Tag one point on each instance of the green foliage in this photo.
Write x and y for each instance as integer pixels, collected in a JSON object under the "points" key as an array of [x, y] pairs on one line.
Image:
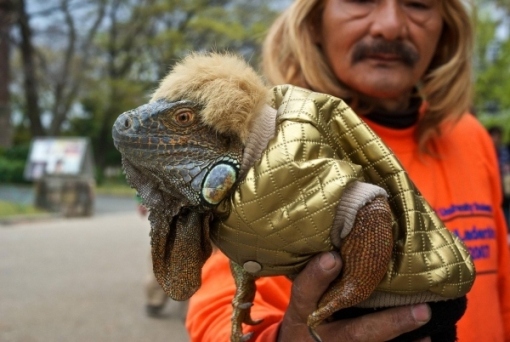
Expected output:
{"points": [[12, 164], [492, 62], [17, 152], [501, 119], [101, 108], [22, 135], [11, 171], [136, 59]]}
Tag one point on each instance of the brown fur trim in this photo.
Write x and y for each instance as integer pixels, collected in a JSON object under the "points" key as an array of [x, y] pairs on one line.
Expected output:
{"points": [[229, 89]]}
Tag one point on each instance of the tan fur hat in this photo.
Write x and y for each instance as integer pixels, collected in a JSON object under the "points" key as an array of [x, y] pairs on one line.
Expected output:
{"points": [[213, 80]]}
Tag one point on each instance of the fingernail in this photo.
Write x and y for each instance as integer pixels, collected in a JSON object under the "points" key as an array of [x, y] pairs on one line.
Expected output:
{"points": [[327, 261], [421, 313]]}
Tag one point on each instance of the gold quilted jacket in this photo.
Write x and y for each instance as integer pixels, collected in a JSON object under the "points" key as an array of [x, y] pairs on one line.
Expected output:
{"points": [[300, 191]]}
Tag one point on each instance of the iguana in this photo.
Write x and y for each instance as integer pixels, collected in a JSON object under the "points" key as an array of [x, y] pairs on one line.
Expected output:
{"points": [[273, 176]]}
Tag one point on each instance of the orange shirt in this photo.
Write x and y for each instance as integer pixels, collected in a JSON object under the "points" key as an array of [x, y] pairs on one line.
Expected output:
{"points": [[462, 186]]}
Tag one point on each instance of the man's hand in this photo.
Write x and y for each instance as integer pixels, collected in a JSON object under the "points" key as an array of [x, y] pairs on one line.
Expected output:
{"points": [[308, 288]]}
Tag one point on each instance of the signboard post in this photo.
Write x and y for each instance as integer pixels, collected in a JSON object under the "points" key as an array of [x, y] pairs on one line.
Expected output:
{"points": [[63, 172]]}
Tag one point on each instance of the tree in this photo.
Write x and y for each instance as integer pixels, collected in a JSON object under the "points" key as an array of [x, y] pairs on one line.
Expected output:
{"points": [[80, 63], [52, 67], [6, 17], [30, 80], [492, 61], [142, 42]]}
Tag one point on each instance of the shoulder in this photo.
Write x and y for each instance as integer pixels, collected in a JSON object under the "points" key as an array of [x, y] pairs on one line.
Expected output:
{"points": [[466, 141], [468, 123], [468, 131]]}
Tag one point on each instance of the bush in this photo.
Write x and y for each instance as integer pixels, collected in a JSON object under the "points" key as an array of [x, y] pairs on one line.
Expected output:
{"points": [[12, 164], [19, 152], [11, 171]]}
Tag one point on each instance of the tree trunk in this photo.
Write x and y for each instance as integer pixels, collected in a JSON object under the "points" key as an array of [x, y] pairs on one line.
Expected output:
{"points": [[33, 110], [6, 10]]}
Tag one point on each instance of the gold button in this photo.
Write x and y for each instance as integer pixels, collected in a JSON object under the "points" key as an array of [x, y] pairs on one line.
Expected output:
{"points": [[252, 267]]}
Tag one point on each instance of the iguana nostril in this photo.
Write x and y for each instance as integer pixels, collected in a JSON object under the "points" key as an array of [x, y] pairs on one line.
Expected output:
{"points": [[127, 123]]}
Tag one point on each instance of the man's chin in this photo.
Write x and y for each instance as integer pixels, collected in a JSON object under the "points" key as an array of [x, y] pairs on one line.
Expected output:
{"points": [[381, 86], [385, 95]]}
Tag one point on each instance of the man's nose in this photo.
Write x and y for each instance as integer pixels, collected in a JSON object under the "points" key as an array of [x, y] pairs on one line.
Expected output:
{"points": [[389, 20]]}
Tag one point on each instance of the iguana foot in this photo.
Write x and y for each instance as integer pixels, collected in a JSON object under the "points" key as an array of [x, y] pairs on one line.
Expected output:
{"points": [[244, 309], [242, 315], [242, 303], [241, 337], [366, 253]]}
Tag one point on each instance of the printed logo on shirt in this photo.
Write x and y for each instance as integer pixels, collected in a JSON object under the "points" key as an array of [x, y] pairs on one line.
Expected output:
{"points": [[479, 237], [474, 224], [466, 209]]}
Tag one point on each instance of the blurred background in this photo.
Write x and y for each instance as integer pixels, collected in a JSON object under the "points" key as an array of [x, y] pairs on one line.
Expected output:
{"points": [[74, 248]]}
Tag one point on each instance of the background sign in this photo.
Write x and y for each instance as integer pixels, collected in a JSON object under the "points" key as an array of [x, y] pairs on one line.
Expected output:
{"points": [[58, 156]]}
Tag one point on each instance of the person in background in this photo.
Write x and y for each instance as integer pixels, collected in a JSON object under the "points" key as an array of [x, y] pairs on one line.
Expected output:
{"points": [[503, 154], [405, 68]]}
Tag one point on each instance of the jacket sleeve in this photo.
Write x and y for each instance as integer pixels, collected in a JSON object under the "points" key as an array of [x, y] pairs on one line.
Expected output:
{"points": [[210, 308]]}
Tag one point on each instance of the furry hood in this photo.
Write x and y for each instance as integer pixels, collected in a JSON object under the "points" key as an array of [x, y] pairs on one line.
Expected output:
{"points": [[230, 91]]}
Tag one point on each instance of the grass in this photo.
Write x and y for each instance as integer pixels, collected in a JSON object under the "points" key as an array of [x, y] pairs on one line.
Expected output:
{"points": [[9, 209], [115, 189]]}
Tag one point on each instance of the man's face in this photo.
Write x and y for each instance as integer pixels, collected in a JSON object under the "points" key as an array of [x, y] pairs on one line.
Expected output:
{"points": [[380, 48]]}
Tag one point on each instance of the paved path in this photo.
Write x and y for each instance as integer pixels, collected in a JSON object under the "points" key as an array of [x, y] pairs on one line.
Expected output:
{"points": [[79, 280]]}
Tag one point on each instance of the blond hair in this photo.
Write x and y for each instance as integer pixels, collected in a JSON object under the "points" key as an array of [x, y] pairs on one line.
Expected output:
{"points": [[205, 78], [290, 55]]}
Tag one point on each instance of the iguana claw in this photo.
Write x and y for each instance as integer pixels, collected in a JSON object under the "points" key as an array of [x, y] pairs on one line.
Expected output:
{"points": [[242, 303], [246, 337], [240, 315], [244, 306]]}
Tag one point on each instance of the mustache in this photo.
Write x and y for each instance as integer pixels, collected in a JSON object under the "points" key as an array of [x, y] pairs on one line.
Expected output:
{"points": [[364, 50]]}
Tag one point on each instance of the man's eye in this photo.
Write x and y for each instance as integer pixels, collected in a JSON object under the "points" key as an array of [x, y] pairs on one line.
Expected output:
{"points": [[420, 5], [361, 1], [358, 8]]}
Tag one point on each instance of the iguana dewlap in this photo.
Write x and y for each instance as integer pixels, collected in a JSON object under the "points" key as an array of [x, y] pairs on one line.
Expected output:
{"points": [[273, 178]]}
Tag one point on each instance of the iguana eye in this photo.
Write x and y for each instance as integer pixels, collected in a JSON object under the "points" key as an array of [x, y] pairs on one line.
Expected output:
{"points": [[184, 117]]}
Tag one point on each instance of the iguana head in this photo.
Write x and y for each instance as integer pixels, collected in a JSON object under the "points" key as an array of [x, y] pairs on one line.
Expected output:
{"points": [[167, 151], [182, 153]]}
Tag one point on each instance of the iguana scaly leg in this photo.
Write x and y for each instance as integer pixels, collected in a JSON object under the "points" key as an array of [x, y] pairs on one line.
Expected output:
{"points": [[365, 254], [242, 302]]}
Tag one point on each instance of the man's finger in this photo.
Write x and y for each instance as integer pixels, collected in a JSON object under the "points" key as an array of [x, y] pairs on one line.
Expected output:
{"points": [[381, 326], [312, 282]]}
